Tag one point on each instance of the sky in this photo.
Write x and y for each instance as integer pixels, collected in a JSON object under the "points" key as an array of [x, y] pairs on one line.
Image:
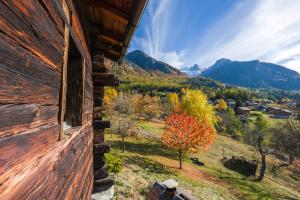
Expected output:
{"points": [[188, 32]]}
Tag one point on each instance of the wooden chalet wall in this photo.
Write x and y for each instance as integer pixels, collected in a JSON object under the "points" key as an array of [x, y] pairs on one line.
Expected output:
{"points": [[34, 163]]}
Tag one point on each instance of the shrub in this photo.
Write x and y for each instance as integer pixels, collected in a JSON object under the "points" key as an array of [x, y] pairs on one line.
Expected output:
{"points": [[113, 163]]}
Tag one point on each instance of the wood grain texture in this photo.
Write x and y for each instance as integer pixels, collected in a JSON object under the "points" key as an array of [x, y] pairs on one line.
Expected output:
{"points": [[27, 23], [17, 89], [16, 119], [50, 7], [18, 59], [34, 164], [51, 175], [15, 151], [63, 90]]}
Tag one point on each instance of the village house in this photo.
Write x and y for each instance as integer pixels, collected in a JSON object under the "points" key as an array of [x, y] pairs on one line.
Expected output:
{"points": [[244, 111], [53, 73], [266, 102], [231, 103], [279, 112]]}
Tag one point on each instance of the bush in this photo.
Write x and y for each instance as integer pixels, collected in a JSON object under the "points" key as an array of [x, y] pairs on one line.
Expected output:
{"points": [[113, 163]]}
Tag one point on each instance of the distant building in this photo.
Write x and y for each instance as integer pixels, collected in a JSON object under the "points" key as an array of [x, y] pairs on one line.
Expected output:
{"points": [[267, 102], [279, 113], [231, 103], [261, 108], [245, 111]]}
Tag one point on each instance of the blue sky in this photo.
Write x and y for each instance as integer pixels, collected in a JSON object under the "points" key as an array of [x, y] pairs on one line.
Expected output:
{"points": [[187, 32]]}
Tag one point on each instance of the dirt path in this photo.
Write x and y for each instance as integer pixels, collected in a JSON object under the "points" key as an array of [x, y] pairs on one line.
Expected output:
{"points": [[191, 172]]}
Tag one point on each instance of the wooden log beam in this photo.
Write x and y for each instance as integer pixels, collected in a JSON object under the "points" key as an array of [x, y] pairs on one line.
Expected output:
{"points": [[17, 89], [103, 184], [110, 36], [100, 173], [99, 69], [113, 11], [107, 54], [107, 47], [113, 81], [16, 119], [97, 102], [101, 148], [99, 124], [99, 160], [104, 76]]}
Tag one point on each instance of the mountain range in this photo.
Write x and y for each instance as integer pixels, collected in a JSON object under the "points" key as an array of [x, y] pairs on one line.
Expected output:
{"points": [[254, 74], [194, 70], [150, 64]]}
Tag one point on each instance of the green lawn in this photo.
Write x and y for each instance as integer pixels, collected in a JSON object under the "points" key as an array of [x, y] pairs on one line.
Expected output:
{"points": [[154, 127], [146, 161]]}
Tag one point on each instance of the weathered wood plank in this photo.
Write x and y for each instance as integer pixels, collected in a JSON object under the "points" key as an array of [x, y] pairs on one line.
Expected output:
{"points": [[50, 7], [19, 118], [17, 59], [80, 177], [76, 30], [48, 168], [101, 148], [99, 124], [17, 89], [30, 26], [64, 80], [106, 82], [83, 106], [67, 167], [18, 150], [103, 184]]}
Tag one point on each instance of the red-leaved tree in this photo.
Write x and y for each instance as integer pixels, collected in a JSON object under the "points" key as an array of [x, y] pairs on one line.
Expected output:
{"points": [[185, 133]]}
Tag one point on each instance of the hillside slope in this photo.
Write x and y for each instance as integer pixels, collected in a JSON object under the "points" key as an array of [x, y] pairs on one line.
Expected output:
{"points": [[254, 74], [150, 64]]}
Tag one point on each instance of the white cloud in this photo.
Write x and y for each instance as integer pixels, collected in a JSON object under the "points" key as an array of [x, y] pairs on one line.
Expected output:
{"points": [[268, 30], [172, 58], [157, 31]]}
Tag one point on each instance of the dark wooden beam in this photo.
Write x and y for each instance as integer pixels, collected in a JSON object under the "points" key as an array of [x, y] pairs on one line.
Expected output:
{"points": [[107, 82], [116, 13], [103, 184], [106, 46], [98, 31], [99, 124], [98, 102], [103, 76], [101, 148], [107, 54]]}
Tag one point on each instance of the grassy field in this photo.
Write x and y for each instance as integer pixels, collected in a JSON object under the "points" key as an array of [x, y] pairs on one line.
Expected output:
{"points": [[146, 161]]}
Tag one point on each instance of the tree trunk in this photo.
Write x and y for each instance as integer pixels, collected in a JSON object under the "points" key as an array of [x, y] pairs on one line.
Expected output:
{"points": [[180, 159], [263, 160], [291, 159], [263, 168], [123, 143]]}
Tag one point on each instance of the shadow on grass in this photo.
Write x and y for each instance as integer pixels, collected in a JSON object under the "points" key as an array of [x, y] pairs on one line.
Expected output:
{"points": [[148, 165], [250, 187], [145, 149]]}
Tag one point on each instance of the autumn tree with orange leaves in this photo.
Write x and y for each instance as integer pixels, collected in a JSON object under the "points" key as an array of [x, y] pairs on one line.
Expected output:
{"points": [[185, 133]]}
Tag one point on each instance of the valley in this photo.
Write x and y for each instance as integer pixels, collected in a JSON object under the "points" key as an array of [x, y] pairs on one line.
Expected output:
{"points": [[147, 96]]}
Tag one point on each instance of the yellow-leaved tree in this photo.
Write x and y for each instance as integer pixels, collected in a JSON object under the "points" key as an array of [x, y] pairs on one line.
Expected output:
{"points": [[221, 105], [195, 102], [173, 101], [109, 95]]}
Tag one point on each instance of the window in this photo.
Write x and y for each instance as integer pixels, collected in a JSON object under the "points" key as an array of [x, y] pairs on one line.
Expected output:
{"points": [[71, 89]]}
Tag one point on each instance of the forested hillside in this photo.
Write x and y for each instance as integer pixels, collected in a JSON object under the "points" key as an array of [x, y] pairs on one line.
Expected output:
{"points": [[254, 74]]}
